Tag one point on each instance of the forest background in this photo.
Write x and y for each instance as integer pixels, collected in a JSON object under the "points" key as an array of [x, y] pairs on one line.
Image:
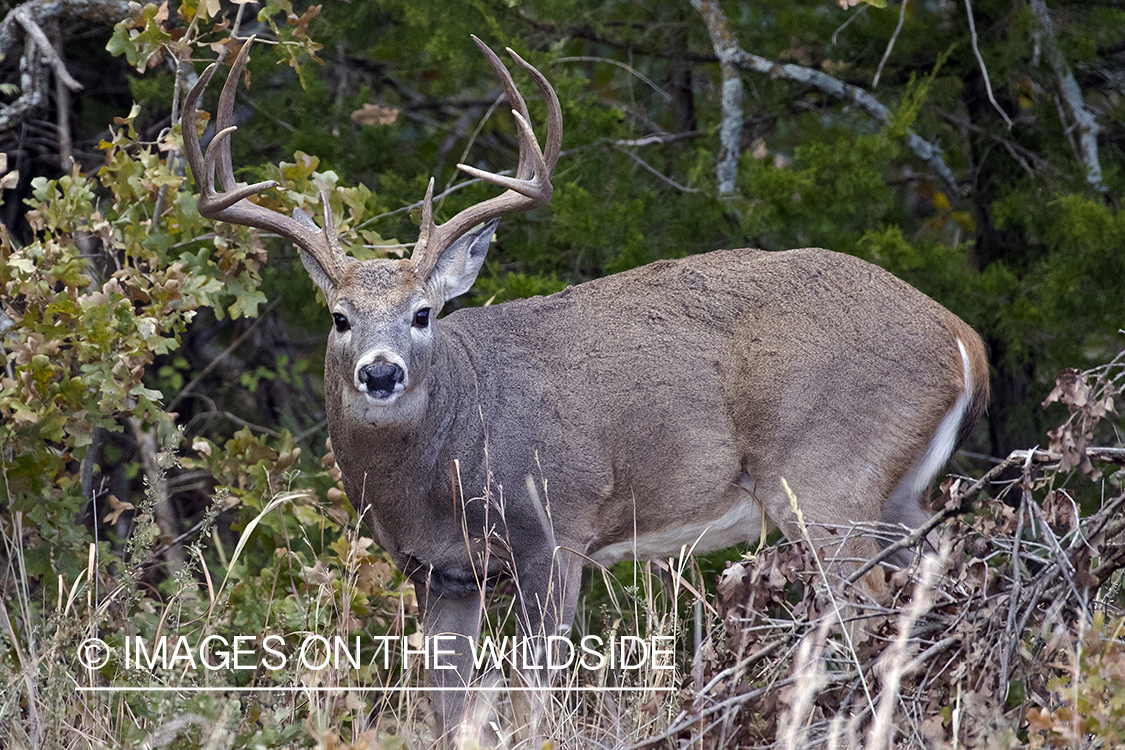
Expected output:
{"points": [[162, 392]]}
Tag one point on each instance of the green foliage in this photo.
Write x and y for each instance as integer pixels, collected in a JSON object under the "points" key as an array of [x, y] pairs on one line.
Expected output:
{"points": [[1089, 704], [829, 196], [141, 40], [293, 34], [80, 345]]}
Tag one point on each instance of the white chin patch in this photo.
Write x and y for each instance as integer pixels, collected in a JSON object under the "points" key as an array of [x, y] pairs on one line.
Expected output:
{"points": [[383, 400]]}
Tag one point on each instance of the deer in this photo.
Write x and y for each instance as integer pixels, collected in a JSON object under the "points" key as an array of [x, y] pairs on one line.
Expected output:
{"points": [[624, 417]]}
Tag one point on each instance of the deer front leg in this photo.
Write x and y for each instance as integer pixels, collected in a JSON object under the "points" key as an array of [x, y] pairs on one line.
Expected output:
{"points": [[548, 585], [451, 624]]}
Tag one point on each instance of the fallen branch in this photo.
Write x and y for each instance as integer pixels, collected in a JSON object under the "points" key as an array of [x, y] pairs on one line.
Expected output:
{"points": [[961, 505], [963, 632], [961, 502]]}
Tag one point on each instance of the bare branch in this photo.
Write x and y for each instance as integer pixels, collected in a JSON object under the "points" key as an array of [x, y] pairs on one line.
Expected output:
{"points": [[855, 14], [730, 133], [923, 149], [890, 44], [928, 152], [1068, 87], [980, 61], [1026, 158], [648, 140]]}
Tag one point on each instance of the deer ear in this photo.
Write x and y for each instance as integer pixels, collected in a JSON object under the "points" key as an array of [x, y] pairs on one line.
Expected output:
{"points": [[316, 272], [311, 264], [459, 265]]}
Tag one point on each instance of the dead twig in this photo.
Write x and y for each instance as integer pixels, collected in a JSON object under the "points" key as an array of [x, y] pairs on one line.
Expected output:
{"points": [[890, 44], [983, 68], [663, 178]]}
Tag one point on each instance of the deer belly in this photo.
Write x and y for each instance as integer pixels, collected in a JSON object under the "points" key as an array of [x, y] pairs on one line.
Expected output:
{"points": [[742, 520]]}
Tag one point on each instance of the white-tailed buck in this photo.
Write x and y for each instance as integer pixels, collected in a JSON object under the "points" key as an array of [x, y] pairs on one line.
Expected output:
{"points": [[624, 417]]}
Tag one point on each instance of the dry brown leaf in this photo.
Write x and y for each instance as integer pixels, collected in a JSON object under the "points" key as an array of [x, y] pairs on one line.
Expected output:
{"points": [[375, 114], [118, 507]]}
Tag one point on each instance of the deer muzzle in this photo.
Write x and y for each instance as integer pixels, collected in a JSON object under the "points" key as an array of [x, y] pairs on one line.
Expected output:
{"points": [[381, 379]]}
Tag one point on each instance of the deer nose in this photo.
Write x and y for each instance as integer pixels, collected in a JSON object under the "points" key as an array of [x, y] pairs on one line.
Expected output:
{"points": [[380, 378]]}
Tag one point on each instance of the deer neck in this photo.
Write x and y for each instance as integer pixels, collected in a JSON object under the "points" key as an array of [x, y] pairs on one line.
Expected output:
{"points": [[407, 462]]}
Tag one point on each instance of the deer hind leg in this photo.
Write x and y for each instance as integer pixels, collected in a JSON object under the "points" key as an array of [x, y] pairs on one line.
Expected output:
{"points": [[833, 514], [905, 508]]}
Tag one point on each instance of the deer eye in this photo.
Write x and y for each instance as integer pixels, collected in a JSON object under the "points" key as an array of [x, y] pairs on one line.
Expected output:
{"points": [[422, 318], [341, 322]]}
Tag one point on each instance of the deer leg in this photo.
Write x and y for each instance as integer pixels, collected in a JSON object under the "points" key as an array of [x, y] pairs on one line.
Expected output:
{"points": [[839, 546], [451, 625], [549, 598]]}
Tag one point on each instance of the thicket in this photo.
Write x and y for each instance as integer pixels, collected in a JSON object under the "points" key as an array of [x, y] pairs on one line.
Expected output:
{"points": [[163, 466]]}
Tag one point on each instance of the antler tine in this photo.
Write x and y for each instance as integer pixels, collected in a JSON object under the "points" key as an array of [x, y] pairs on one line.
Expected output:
{"points": [[428, 227], [204, 167], [190, 131], [529, 152], [232, 205], [530, 187], [515, 99], [226, 117], [553, 144]]}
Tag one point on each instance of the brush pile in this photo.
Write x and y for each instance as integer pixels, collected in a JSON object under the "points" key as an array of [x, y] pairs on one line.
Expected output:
{"points": [[1008, 635]]}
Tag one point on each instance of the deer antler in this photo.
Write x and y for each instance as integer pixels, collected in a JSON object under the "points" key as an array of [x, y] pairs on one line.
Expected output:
{"points": [[530, 187], [232, 204]]}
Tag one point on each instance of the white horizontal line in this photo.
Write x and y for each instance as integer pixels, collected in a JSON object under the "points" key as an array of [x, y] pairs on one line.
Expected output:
{"points": [[293, 689]]}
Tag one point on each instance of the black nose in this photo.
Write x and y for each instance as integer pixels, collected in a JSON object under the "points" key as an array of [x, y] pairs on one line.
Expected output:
{"points": [[381, 378]]}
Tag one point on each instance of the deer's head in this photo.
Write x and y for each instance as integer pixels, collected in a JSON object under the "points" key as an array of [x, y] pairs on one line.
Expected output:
{"points": [[383, 311]]}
